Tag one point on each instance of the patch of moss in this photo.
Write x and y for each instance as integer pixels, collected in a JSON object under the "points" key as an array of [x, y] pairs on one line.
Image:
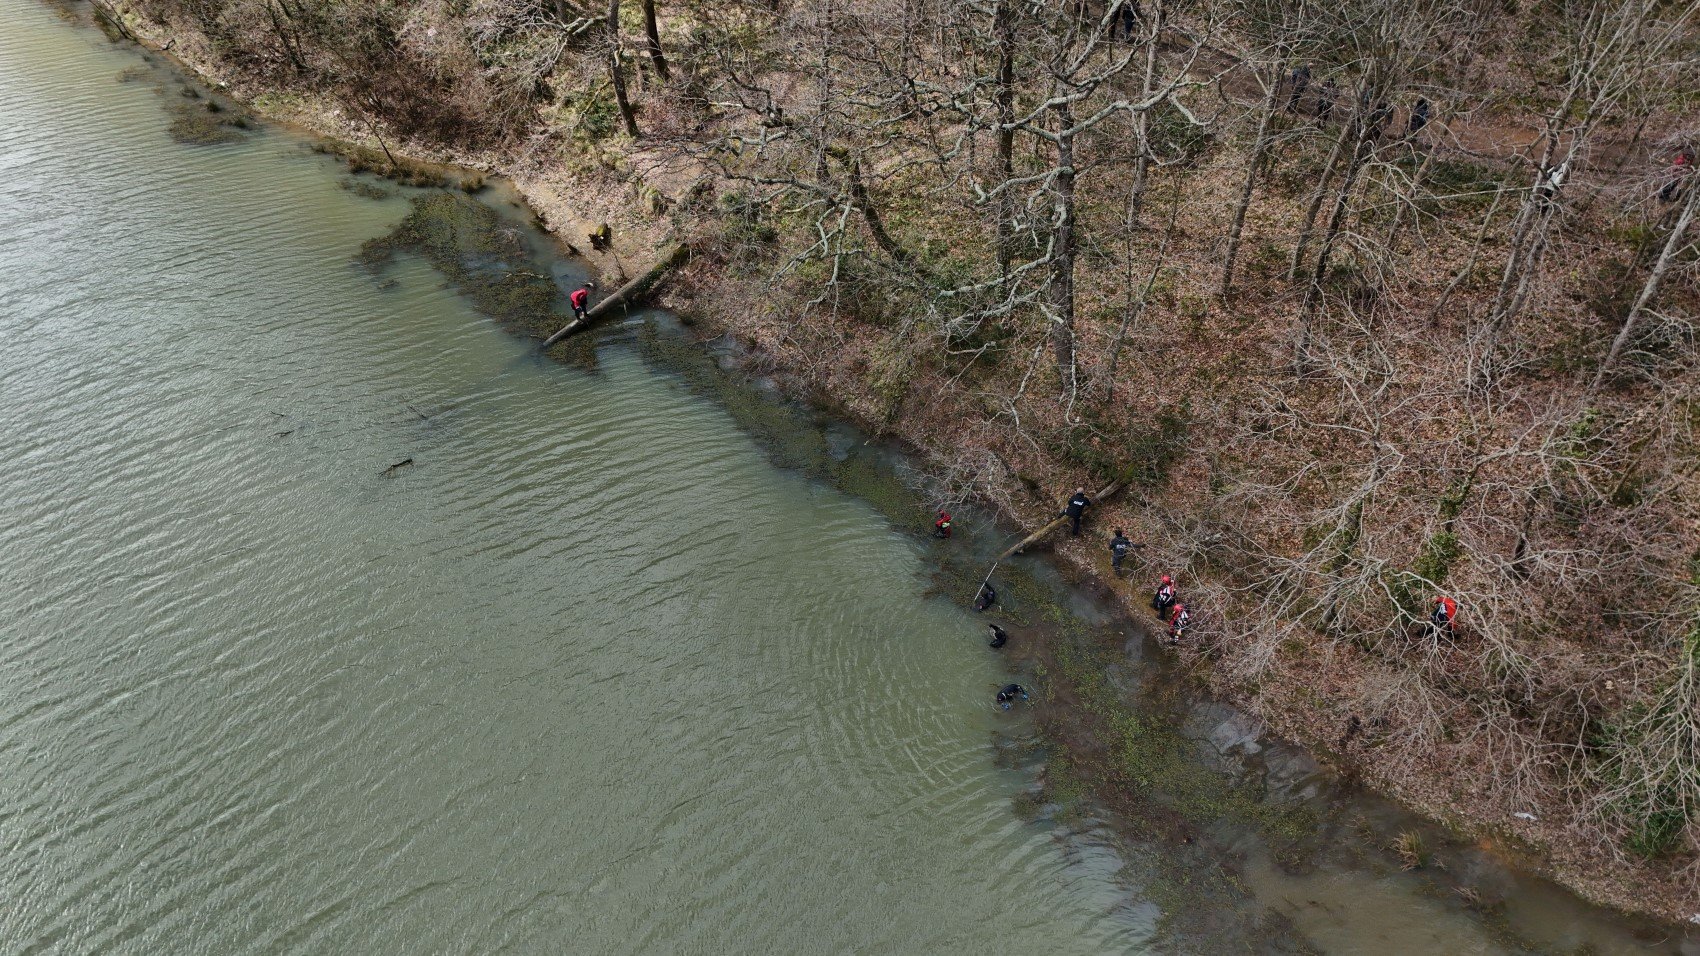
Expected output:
{"points": [[483, 257], [1153, 764], [198, 122], [1460, 186], [361, 187], [400, 169]]}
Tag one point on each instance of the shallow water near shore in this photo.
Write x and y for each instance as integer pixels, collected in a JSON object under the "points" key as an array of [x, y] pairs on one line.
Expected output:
{"points": [[619, 663]]}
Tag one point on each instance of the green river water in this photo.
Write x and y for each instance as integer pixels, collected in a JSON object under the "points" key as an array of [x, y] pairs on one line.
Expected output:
{"points": [[596, 673]]}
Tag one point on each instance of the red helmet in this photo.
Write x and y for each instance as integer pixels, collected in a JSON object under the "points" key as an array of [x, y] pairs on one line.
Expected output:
{"points": [[1168, 580], [1179, 607]]}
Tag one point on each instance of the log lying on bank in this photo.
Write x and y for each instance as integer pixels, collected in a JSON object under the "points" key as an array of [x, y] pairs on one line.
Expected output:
{"points": [[624, 295], [1109, 491]]}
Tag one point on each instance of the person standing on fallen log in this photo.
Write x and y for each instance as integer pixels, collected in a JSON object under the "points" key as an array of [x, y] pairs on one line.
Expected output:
{"points": [[580, 301], [1076, 507]]}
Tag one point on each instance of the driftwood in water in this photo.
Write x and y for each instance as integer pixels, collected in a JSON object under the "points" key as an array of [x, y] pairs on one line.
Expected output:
{"points": [[624, 295], [1109, 491], [391, 470]]}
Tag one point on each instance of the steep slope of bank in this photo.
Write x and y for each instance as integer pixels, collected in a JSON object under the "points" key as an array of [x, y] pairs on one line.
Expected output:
{"points": [[1454, 360]]}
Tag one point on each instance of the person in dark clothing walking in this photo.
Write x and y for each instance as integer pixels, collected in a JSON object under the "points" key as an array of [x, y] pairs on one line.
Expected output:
{"points": [[1325, 98], [1125, 18], [1378, 118], [1419, 117], [1076, 508], [1000, 637], [1010, 693], [987, 597], [1298, 81], [580, 301], [1119, 547]]}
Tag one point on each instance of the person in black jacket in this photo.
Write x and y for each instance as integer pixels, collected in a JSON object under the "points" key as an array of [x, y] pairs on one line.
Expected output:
{"points": [[1325, 98], [1010, 693], [1419, 117], [1000, 637], [1119, 547], [1125, 17], [1297, 82], [1076, 508]]}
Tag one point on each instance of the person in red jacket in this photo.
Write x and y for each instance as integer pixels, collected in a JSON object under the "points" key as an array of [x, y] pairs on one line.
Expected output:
{"points": [[1164, 600], [1178, 623], [1680, 168], [580, 300], [941, 527], [1444, 613]]}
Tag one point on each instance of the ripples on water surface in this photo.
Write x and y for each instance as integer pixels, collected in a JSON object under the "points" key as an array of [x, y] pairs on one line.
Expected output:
{"points": [[592, 675]]}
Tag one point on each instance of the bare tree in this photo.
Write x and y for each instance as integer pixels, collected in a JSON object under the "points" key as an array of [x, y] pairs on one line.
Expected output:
{"points": [[652, 35], [1675, 243], [617, 71]]}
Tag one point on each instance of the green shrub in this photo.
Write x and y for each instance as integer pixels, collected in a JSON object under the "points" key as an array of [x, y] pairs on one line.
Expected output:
{"points": [[1658, 834], [1150, 451], [1175, 138]]}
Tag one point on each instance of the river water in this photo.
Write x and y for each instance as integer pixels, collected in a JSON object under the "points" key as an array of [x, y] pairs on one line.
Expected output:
{"points": [[592, 674]]}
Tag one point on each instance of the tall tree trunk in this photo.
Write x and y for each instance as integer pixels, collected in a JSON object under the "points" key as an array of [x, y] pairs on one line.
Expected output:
{"points": [[1142, 119], [1347, 130], [1399, 213], [286, 36], [1062, 257], [1528, 232], [652, 35], [1469, 264], [1136, 308], [1003, 24], [1336, 221], [1650, 290], [1258, 151], [871, 215], [616, 72]]}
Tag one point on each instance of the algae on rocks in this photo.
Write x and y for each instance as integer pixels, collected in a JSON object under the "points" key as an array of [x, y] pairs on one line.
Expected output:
{"points": [[485, 258], [207, 122]]}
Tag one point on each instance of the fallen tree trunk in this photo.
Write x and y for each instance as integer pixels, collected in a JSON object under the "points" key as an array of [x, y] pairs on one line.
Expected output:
{"points": [[1109, 491], [624, 295]]}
